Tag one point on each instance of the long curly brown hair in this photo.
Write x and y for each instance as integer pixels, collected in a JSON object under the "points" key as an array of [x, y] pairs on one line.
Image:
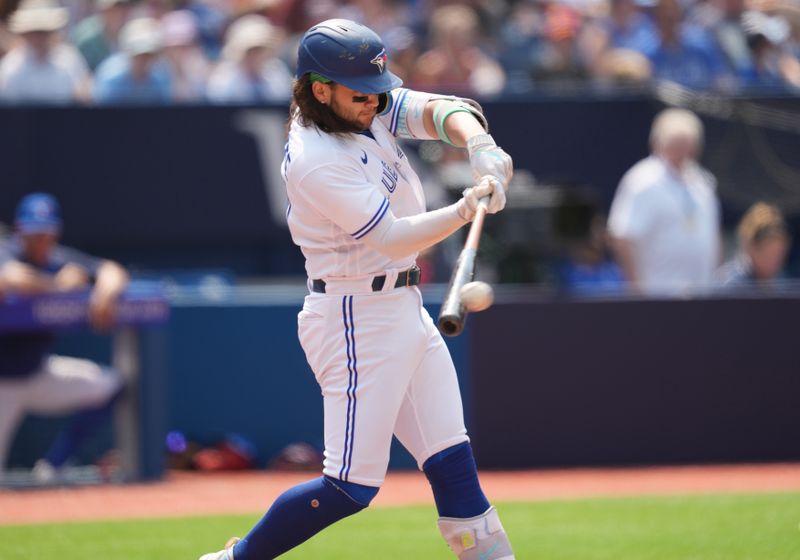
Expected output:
{"points": [[309, 111]]}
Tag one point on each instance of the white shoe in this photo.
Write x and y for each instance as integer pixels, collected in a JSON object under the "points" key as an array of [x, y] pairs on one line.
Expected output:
{"points": [[43, 472], [226, 554]]}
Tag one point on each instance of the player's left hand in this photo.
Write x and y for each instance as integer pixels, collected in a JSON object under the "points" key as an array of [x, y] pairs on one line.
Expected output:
{"points": [[487, 158], [71, 277]]}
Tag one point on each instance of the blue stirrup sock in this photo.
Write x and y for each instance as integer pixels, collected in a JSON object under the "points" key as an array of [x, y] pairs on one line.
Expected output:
{"points": [[453, 476], [300, 513], [79, 428]]}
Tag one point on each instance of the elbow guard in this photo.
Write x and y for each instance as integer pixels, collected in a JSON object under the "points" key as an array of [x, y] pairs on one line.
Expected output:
{"points": [[403, 110], [452, 105]]}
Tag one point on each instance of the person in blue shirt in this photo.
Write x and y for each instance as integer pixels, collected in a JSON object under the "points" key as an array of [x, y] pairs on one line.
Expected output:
{"points": [[32, 380], [627, 27], [684, 55], [135, 75]]}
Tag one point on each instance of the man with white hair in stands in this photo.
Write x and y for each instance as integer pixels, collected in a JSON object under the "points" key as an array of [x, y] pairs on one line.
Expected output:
{"points": [[250, 71], [665, 218], [42, 68], [135, 75]]}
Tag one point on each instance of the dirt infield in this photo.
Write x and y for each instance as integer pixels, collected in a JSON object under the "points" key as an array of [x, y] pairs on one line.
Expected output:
{"points": [[184, 494]]}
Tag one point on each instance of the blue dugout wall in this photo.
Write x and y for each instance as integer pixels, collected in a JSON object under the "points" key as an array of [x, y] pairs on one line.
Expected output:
{"points": [[546, 382]]}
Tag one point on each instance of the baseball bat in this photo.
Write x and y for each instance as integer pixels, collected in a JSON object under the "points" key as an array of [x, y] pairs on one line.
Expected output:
{"points": [[453, 314]]}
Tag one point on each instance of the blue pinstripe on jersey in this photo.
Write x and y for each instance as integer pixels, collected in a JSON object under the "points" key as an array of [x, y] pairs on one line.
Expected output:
{"points": [[352, 386], [374, 221], [398, 109], [355, 387]]}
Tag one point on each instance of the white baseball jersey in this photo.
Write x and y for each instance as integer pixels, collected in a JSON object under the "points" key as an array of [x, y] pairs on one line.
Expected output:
{"points": [[673, 223], [381, 364], [340, 187]]}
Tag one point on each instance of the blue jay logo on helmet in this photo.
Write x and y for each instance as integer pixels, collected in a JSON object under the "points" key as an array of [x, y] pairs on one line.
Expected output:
{"points": [[347, 53], [380, 60]]}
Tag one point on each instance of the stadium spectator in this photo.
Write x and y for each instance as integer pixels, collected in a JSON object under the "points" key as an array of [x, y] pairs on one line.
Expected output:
{"points": [[189, 67], [520, 38], [684, 55], [627, 27], [97, 36], [250, 71], [382, 16], [763, 246], [765, 35], [589, 267], [622, 68], [723, 18], [31, 378], [42, 68], [665, 216], [456, 63], [559, 58], [135, 75]]}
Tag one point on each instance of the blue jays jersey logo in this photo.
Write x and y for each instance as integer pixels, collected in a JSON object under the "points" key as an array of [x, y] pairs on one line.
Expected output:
{"points": [[380, 60], [389, 178]]}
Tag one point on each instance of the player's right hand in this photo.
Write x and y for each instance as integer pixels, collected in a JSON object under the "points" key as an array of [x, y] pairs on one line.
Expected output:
{"points": [[487, 186]]}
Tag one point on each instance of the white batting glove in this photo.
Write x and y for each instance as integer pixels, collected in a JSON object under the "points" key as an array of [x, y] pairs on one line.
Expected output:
{"points": [[487, 158], [487, 186]]}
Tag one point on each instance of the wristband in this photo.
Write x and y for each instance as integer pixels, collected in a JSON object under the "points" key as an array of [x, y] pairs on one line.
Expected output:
{"points": [[480, 141]]}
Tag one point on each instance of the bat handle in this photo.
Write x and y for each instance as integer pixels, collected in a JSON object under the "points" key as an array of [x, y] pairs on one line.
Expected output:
{"points": [[453, 314], [474, 235]]}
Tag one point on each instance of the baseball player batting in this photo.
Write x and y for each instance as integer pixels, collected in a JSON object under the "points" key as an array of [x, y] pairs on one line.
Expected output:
{"points": [[357, 211]]}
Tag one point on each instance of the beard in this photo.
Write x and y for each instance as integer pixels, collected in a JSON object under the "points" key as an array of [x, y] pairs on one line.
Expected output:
{"points": [[354, 124]]}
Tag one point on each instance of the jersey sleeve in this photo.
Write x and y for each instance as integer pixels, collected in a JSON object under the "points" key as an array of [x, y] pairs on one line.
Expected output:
{"points": [[403, 114], [345, 197]]}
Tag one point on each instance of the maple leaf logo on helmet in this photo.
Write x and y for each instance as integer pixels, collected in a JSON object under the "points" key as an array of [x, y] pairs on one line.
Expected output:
{"points": [[380, 60]]}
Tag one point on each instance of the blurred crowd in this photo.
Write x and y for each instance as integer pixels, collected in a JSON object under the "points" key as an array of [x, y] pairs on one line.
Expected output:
{"points": [[242, 51]]}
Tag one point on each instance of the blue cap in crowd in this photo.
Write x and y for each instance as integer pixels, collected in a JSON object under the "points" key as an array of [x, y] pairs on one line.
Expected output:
{"points": [[38, 213]]}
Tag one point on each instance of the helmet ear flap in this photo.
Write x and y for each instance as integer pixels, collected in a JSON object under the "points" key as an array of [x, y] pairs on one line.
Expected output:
{"points": [[383, 102]]}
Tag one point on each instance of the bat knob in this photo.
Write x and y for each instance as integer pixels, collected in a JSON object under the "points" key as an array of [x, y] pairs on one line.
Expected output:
{"points": [[450, 326]]}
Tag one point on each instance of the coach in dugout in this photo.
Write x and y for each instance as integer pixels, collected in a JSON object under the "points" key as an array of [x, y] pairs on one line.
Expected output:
{"points": [[31, 379], [665, 217]]}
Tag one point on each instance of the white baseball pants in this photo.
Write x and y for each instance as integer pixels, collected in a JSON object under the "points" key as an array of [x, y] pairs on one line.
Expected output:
{"points": [[383, 369], [61, 386]]}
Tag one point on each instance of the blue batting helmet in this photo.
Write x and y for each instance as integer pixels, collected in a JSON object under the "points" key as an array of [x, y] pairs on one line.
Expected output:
{"points": [[38, 213], [347, 53]]}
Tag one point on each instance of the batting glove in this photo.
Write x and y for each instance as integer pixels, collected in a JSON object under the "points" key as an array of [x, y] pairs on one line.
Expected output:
{"points": [[487, 186], [486, 158]]}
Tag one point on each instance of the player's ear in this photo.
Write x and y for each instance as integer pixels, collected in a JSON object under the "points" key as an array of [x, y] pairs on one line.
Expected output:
{"points": [[322, 92]]}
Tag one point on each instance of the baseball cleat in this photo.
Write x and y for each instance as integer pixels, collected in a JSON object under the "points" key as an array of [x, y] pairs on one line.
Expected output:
{"points": [[477, 538], [225, 554]]}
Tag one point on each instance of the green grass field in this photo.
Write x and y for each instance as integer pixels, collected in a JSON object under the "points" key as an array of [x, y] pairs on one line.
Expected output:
{"points": [[758, 527]]}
